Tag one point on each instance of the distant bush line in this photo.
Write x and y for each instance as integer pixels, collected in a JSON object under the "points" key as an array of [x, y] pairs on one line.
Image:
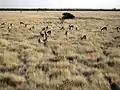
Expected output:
{"points": [[46, 9]]}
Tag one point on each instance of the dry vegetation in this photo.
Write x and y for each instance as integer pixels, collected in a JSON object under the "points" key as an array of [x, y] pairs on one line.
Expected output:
{"points": [[77, 54]]}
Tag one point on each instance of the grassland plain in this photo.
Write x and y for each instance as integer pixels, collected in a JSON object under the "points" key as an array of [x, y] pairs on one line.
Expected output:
{"points": [[65, 61]]}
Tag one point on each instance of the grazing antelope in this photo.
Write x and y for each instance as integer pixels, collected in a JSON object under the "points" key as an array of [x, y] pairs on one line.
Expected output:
{"points": [[40, 41], [46, 27], [11, 24], [117, 29], [9, 28], [33, 27], [45, 41], [62, 28], [45, 34], [84, 37], [48, 33], [3, 23], [30, 28], [43, 29], [76, 28], [26, 25], [42, 34], [103, 28], [66, 33], [21, 22], [71, 26]]}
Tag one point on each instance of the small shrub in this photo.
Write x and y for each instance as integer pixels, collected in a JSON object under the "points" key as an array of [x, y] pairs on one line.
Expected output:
{"points": [[68, 16]]}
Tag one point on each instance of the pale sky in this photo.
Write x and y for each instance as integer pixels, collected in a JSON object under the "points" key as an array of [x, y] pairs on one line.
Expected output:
{"points": [[60, 4]]}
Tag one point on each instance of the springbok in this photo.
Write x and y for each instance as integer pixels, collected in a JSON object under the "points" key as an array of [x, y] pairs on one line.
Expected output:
{"points": [[71, 26], [66, 33], [84, 37], [103, 28]]}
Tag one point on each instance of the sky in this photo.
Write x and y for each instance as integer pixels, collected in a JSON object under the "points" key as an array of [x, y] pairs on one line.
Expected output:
{"points": [[93, 4]]}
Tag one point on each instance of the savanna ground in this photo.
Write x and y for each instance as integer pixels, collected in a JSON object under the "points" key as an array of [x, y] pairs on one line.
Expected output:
{"points": [[65, 62]]}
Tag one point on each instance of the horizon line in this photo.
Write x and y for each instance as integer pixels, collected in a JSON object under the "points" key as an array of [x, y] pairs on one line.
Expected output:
{"points": [[54, 8]]}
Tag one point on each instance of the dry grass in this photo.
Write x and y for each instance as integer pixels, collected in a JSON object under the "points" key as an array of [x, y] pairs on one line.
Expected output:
{"points": [[63, 62]]}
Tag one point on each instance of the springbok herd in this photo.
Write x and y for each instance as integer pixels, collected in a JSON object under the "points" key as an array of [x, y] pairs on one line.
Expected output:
{"points": [[38, 51]]}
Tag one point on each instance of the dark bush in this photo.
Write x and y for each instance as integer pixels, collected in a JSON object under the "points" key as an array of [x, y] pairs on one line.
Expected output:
{"points": [[68, 16]]}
